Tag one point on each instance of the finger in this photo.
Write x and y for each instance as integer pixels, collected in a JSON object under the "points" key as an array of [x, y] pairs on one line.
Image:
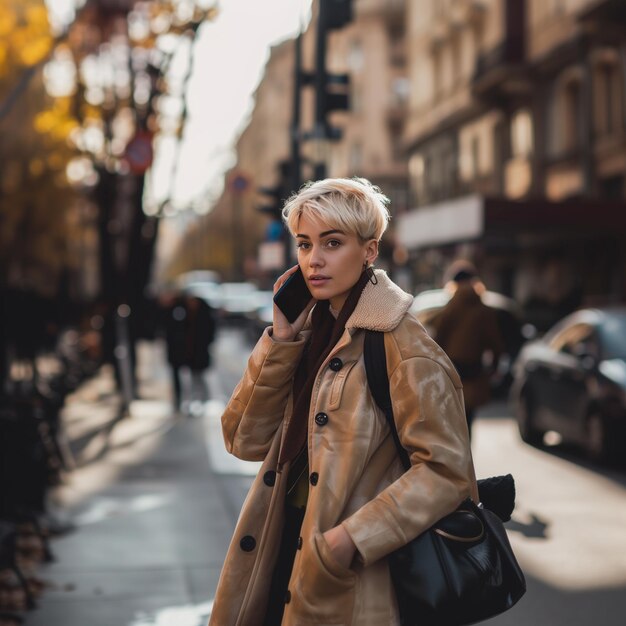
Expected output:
{"points": [[283, 277]]}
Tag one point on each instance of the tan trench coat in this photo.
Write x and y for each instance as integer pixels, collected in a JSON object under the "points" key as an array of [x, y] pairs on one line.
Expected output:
{"points": [[360, 480]]}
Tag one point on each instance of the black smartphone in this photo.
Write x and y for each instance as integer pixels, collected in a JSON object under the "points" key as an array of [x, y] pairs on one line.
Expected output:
{"points": [[293, 296]]}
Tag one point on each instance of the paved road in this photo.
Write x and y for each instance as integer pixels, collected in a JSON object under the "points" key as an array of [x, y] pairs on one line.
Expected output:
{"points": [[156, 511]]}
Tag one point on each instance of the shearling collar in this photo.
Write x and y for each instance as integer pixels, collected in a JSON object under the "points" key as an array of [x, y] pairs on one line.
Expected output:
{"points": [[381, 306]]}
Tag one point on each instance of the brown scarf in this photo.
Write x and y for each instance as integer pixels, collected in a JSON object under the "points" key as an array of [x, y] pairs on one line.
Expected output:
{"points": [[326, 333]]}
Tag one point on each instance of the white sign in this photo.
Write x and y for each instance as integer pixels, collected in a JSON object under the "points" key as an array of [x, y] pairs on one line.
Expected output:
{"points": [[271, 255], [446, 222]]}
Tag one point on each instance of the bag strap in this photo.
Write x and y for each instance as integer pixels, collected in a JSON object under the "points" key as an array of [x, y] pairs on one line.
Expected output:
{"points": [[378, 381]]}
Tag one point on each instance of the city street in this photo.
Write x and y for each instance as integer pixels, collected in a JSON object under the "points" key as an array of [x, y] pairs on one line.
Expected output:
{"points": [[155, 499]]}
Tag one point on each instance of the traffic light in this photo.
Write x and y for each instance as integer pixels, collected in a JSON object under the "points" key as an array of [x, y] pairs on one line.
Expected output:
{"points": [[279, 193], [335, 13], [334, 97], [273, 208], [331, 90]]}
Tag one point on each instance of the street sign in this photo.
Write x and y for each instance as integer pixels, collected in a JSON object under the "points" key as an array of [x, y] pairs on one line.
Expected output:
{"points": [[139, 153], [271, 255], [239, 182]]}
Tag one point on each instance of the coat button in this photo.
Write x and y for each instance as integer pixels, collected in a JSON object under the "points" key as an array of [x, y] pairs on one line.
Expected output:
{"points": [[247, 543], [287, 596], [335, 364], [321, 419], [299, 543], [269, 478], [314, 478]]}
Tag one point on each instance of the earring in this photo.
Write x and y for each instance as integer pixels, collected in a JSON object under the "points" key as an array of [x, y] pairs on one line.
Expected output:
{"points": [[369, 269]]}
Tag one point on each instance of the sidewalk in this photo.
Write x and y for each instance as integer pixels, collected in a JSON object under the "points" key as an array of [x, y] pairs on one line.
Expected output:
{"points": [[152, 520]]}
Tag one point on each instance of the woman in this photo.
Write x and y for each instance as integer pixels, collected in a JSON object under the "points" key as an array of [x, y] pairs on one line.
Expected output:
{"points": [[332, 500]]}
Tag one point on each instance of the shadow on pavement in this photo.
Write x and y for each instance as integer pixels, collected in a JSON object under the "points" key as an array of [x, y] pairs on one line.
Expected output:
{"points": [[535, 529]]}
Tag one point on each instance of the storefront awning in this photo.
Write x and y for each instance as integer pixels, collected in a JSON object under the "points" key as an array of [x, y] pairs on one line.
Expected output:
{"points": [[471, 218]]}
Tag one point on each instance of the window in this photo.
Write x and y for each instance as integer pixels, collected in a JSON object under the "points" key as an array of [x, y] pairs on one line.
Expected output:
{"points": [[437, 73], [356, 157], [565, 113], [397, 145], [576, 340], [475, 151], [397, 55], [416, 177], [571, 114], [522, 134], [455, 51], [356, 58], [356, 97], [400, 90], [608, 98], [613, 333]]}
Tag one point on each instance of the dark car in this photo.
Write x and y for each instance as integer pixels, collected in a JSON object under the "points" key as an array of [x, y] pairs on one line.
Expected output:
{"points": [[573, 382], [427, 305]]}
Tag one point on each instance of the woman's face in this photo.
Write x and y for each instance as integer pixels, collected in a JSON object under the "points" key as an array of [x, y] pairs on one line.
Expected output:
{"points": [[331, 260]]}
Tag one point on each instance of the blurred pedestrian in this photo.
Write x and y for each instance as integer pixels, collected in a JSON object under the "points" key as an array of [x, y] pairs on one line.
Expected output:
{"points": [[468, 332], [201, 329], [190, 326], [332, 499]]}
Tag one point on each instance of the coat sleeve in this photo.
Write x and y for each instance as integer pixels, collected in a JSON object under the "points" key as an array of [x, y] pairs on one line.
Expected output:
{"points": [[256, 408], [430, 419]]}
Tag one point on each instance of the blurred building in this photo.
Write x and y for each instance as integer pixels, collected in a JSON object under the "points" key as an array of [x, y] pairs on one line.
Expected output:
{"points": [[515, 140], [234, 228]]}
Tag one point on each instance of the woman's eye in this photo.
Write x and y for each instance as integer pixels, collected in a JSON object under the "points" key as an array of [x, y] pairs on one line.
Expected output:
{"points": [[333, 243], [302, 245]]}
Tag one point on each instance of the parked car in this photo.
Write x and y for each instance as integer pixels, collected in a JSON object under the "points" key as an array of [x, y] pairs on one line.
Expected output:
{"points": [[196, 277], [238, 300], [428, 304], [262, 316], [573, 381]]}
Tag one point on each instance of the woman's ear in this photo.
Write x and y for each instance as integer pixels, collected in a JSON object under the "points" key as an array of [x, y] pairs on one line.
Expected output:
{"points": [[371, 251]]}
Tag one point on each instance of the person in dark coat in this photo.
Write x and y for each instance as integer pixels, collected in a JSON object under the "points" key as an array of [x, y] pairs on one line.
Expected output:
{"points": [[201, 325], [189, 324], [468, 332]]}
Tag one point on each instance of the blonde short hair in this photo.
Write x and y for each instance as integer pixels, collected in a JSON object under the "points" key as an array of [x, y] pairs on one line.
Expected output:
{"points": [[352, 205]]}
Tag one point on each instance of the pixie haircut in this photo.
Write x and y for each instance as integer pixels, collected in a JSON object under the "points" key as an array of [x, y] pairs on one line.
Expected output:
{"points": [[352, 205]]}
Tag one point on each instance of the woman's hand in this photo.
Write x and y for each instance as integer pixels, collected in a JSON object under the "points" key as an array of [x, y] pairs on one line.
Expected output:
{"points": [[341, 545], [283, 330]]}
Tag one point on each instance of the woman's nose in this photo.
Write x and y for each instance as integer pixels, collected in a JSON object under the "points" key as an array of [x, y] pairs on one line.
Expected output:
{"points": [[315, 260]]}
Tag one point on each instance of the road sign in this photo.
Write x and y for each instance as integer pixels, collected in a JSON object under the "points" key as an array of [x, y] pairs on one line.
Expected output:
{"points": [[239, 182], [139, 153]]}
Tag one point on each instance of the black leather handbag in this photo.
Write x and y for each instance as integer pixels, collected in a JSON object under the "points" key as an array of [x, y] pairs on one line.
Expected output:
{"points": [[462, 570]]}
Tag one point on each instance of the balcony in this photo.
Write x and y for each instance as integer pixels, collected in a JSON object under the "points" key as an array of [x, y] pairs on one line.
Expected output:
{"points": [[501, 70], [607, 12]]}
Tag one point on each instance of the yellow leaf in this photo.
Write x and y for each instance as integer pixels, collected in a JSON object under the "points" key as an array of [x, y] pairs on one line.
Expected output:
{"points": [[37, 17], [8, 19], [35, 50], [44, 121]]}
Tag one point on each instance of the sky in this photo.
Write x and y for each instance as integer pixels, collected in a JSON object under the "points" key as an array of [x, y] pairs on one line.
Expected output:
{"points": [[229, 56], [228, 59]]}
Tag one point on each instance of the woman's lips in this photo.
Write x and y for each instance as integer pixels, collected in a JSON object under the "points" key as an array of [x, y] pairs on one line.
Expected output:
{"points": [[318, 281]]}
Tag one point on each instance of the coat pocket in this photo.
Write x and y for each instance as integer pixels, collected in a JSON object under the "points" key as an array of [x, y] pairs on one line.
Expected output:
{"points": [[322, 591], [327, 558]]}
